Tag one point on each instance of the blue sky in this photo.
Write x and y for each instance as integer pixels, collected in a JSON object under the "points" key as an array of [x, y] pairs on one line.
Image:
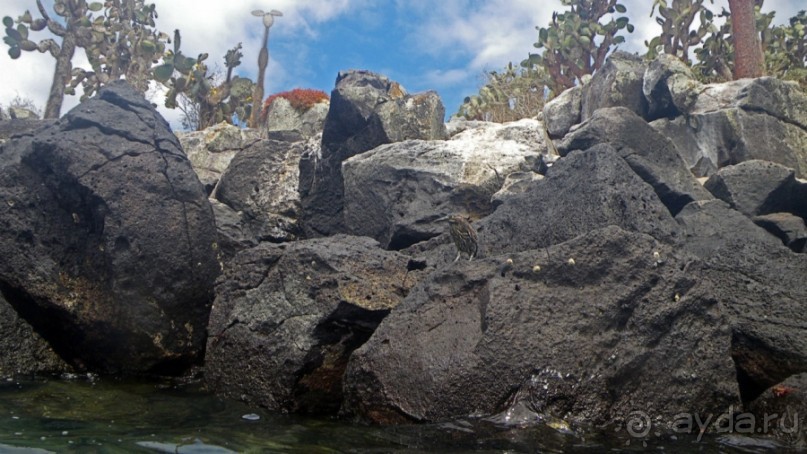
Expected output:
{"points": [[423, 44]]}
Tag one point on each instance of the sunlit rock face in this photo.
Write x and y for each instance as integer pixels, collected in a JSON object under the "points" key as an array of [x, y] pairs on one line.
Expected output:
{"points": [[282, 116], [260, 187], [717, 125], [396, 193], [366, 110], [211, 150]]}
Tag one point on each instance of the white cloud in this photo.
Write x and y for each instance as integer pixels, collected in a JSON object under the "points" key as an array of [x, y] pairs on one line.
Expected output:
{"points": [[490, 34], [210, 26], [442, 78], [467, 36]]}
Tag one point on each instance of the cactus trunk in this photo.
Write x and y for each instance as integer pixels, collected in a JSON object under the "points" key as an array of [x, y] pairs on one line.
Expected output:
{"points": [[257, 95], [748, 58], [61, 76]]}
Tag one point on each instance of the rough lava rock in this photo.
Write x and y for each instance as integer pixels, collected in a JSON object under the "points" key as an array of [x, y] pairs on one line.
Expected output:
{"points": [[108, 238], [211, 150], [760, 284], [617, 84], [514, 184], [616, 282], [563, 112], [367, 110], [563, 205], [10, 129], [651, 155], [756, 187], [233, 233], [288, 316], [789, 228], [739, 121], [582, 192], [593, 328], [669, 87], [788, 402], [22, 350], [615, 331], [281, 116], [261, 184], [396, 192]]}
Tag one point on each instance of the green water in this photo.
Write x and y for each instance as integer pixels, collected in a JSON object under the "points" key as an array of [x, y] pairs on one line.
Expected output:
{"points": [[106, 415]]}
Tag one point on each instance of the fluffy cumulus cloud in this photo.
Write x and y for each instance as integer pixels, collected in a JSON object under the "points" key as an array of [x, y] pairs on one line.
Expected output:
{"points": [[478, 35], [489, 34]]}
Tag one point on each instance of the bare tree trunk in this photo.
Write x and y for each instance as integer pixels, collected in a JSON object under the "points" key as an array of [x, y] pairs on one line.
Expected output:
{"points": [[61, 76], [748, 58]]}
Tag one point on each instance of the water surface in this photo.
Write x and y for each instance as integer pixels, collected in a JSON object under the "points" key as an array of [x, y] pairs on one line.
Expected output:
{"points": [[107, 415]]}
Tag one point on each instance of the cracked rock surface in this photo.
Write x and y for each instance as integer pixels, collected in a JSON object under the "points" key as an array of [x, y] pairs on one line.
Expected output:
{"points": [[108, 238], [287, 317]]}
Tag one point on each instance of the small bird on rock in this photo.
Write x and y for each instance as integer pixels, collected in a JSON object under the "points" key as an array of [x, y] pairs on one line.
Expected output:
{"points": [[463, 235]]}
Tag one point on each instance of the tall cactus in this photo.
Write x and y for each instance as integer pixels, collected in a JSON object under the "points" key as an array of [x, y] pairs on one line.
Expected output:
{"points": [[17, 38], [188, 77], [117, 36], [749, 60], [677, 36], [263, 59], [576, 42], [784, 46]]}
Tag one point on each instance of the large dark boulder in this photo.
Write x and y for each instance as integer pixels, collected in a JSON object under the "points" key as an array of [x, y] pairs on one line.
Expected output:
{"points": [[760, 284], [287, 317], [396, 192], [584, 191], [367, 110], [757, 187], [108, 238], [594, 328], [651, 155], [789, 228], [625, 325]]}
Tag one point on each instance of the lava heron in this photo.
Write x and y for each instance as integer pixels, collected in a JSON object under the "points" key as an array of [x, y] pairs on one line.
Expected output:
{"points": [[463, 235]]}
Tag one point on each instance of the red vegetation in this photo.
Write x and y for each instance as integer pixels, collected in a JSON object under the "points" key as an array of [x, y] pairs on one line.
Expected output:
{"points": [[301, 99]]}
